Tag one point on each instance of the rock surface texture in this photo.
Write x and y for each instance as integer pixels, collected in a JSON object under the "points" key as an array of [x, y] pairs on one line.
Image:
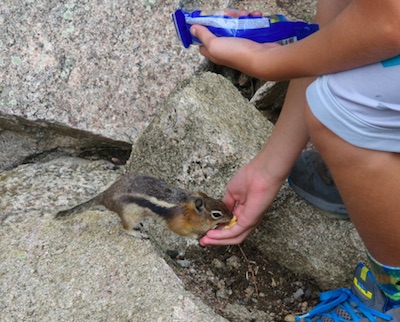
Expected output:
{"points": [[90, 66]]}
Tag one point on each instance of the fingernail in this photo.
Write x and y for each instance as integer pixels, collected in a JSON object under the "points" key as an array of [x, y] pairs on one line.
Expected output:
{"points": [[193, 30]]}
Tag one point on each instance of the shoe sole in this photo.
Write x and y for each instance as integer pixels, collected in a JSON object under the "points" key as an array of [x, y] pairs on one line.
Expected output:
{"points": [[328, 209]]}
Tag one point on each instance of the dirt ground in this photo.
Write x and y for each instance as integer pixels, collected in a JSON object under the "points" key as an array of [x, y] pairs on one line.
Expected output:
{"points": [[241, 285]]}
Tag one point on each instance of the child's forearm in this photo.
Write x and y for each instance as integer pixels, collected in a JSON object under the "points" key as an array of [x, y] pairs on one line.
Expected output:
{"points": [[355, 38], [290, 134]]}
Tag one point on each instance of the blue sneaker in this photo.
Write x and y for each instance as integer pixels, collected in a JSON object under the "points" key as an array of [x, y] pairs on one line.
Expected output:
{"points": [[311, 180], [363, 302]]}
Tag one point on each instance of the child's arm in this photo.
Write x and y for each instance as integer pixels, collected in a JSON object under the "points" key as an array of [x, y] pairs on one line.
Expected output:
{"points": [[366, 31]]}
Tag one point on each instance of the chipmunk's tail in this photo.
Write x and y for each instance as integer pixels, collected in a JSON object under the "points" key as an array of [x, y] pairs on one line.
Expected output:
{"points": [[77, 209]]}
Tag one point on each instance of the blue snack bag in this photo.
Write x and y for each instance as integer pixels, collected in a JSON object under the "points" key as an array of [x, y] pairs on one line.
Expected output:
{"points": [[262, 29]]}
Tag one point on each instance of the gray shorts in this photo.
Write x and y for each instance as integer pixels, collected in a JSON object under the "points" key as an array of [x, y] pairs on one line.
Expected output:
{"points": [[362, 105]]}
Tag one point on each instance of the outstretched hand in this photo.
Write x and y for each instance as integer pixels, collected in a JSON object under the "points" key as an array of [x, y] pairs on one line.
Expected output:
{"points": [[248, 195]]}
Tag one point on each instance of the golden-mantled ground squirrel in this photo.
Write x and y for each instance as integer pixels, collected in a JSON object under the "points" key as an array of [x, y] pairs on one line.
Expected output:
{"points": [[134, 197]]}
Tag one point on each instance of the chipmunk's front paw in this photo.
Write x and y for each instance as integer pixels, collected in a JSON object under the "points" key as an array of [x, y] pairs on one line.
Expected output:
{"points": [[137, 234]]}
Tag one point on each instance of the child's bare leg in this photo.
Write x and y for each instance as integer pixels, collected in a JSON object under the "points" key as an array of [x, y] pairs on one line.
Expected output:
{"points": [[368, 181]]}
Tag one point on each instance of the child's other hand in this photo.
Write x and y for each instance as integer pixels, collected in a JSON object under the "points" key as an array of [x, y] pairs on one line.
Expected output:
{"points": [[227, 51]]}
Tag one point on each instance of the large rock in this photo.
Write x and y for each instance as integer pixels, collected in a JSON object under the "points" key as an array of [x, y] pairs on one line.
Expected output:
{"points": [[103, 67], [203, 134], [76, 76], [83, 268], [23, 141]]}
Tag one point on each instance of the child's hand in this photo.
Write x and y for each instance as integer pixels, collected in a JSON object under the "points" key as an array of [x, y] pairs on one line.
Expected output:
{"points": [[248, 194], [238, 53]]}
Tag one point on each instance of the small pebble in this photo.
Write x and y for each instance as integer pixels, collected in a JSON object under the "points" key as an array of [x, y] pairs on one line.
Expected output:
{"points": [[184, 263], [217, 263], [233, 262], [298, 294], [290, 318]]}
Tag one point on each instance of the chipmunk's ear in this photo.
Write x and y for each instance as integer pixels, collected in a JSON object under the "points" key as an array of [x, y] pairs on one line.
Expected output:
{"points": [[199, 204]]}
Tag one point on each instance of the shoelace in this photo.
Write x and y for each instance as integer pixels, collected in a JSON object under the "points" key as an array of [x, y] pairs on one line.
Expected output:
{"points": [[342, 298]]}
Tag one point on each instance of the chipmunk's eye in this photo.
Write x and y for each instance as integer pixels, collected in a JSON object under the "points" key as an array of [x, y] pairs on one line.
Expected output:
{"points": [[215, 214]]}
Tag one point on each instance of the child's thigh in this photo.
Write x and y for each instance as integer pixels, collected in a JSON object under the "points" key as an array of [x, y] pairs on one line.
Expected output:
{"points": [[362, 105]]}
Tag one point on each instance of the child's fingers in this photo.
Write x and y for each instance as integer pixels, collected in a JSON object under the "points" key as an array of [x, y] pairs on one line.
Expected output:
{"points": [[202, 33], [232, 236], [234, 13], [256, 13]]}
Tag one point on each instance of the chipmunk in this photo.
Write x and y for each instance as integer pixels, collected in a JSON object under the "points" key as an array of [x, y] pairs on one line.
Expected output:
{"points": [[135, 197]]}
